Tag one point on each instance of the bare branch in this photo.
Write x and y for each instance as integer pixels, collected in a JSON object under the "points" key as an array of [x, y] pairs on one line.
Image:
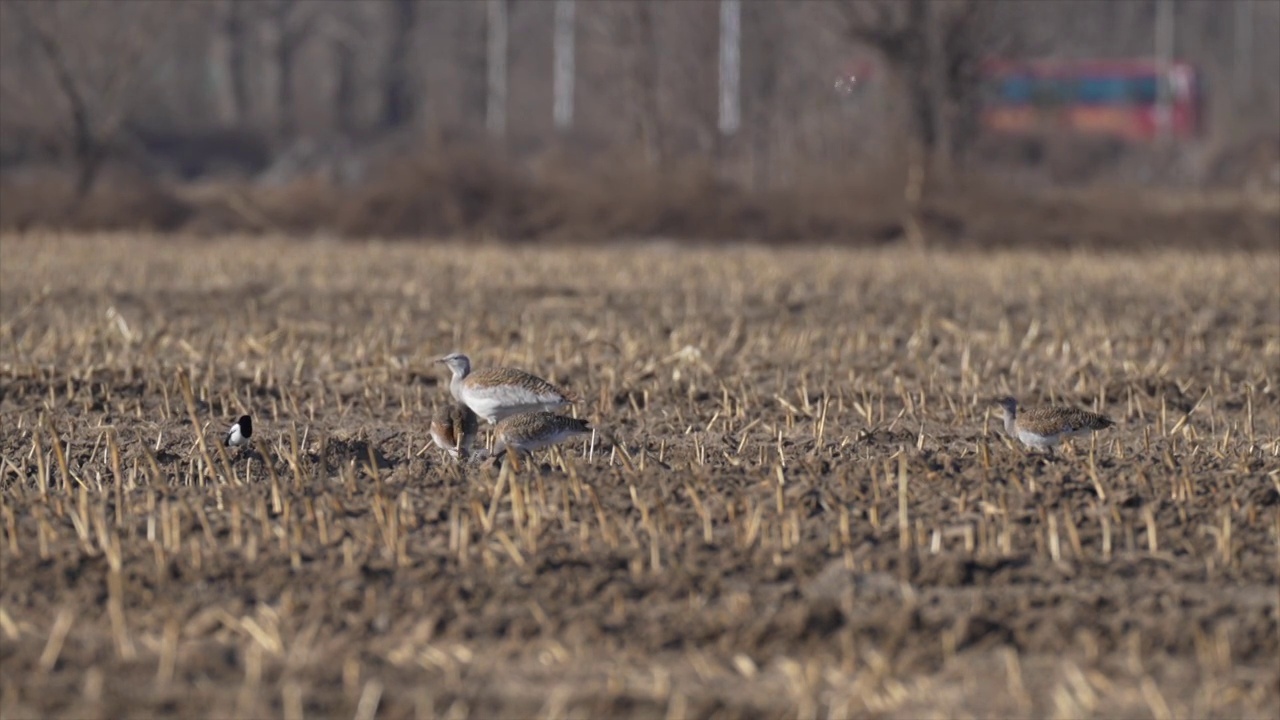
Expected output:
{"points": [[878, 23], [51, 50]]}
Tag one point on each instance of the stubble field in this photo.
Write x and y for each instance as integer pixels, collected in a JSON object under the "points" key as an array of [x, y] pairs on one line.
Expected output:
{"points": [[800, 502]]}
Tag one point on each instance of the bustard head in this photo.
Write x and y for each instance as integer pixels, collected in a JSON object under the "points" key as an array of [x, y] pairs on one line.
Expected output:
{"points": [[458, 363]]}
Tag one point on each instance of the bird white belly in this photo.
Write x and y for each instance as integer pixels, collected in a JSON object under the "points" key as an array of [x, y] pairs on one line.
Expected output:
{"points": [[495, 403], [1037, 440]]}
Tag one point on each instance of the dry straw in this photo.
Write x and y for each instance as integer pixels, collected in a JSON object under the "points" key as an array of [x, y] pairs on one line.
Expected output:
{"points": [[797, 503]]}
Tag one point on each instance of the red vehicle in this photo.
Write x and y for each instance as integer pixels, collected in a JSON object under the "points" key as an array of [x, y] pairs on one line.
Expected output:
{"points": [[1111, 98]]}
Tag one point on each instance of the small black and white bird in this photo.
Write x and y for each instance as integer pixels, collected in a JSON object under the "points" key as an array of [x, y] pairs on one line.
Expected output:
{"points": [[239, 433]]}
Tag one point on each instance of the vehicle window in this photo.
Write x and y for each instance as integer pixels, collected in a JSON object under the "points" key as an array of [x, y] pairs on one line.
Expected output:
{"points": [[1015, 90], [1143, 90], [1102, 91]]}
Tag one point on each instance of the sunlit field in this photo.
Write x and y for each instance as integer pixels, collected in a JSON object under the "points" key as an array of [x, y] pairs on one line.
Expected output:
{"points": [[799, 501]]}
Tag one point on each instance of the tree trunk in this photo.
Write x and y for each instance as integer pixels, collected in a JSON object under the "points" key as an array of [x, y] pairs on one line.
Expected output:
{"points": [[285, 125], [730, 106], [87, 151], [495, 107], [475, 80], [397, 100], [915, 145], [645, 73], [271, 35], [760, 91], [344, 86], [228, 63], [925, 59], [563, 63], [88, 165], [282, 35], [937, 93]]}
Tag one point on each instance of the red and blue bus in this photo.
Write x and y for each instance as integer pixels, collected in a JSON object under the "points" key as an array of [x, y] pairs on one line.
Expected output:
{"points": [[1113, 98]]}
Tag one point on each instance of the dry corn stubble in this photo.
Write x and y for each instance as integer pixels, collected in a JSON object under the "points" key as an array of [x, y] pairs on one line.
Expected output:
{"points": [[800, 501]]}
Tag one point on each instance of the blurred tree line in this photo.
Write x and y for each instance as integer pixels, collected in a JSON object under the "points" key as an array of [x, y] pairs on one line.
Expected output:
{"points": [[205, 85]]}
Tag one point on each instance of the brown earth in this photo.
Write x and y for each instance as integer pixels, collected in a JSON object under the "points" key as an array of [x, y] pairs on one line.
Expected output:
{"points": [[799, 504]]}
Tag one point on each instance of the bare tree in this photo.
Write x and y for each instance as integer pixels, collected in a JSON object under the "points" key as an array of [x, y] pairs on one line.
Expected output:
{"points": [[95, 57], [286, 26], [644, 73], [496, 65], [761, 70], [397, 95], [341, 32], [634, 31], [227, 61], [931, 49], [730, 107], [927, 46], [563, 65], [344, 84]]}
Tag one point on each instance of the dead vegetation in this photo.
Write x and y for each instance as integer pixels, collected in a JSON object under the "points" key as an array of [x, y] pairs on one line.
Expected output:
{"points": [[806, 507], [468, 190]]}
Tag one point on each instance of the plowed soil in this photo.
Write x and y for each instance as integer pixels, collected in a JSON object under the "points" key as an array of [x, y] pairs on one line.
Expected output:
{"points": [[799, 501]]}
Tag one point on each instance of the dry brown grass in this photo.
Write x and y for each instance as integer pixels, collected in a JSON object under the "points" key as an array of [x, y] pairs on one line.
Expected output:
{"points": [[804, 506], [470, 191]]}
